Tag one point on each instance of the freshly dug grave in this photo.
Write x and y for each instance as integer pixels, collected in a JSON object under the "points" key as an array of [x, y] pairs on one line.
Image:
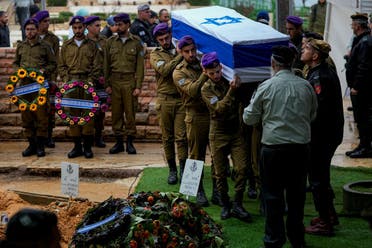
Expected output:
{"points": [[69, 213]]}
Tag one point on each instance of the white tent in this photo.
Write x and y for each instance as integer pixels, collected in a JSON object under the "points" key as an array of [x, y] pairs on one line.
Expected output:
{"points": [[243, 45], [338, 32]]}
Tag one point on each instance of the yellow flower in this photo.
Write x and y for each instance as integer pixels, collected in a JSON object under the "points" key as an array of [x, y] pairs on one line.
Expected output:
{"points": [[22, 106], [40, 79], [33, 107], [68, 119], [43, 91], [14, 99], [9, 88], [33, 74], [41, 100], [62, 91], [86, 86], [60, 111], [14, 79], [81, 119], [94, 94], [72, 122], [91, 114], [22, 73]]}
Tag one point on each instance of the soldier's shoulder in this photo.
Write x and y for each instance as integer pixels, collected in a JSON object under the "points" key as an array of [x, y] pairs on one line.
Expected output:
{"points": [[181, 65]]}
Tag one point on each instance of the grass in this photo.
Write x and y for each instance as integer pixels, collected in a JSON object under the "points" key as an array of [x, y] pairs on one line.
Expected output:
{"points": [[352, 232]]}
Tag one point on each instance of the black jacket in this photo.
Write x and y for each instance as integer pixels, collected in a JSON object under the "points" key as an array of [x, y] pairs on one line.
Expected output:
{"points": [[359, 66], [142, 30], [329, 123]]}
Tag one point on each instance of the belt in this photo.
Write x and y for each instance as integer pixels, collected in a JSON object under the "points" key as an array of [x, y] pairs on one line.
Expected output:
{"points": [[122, 75], [169, 96]]}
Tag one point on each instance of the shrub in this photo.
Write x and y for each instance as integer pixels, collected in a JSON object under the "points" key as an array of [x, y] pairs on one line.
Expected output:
{"points": [[65, 15], [57, 2]]}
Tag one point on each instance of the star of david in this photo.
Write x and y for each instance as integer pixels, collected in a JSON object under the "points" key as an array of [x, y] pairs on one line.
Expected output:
{"points": [[222, 20]]}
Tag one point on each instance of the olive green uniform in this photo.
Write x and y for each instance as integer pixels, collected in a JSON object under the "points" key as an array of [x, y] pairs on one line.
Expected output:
{"points": [[53, 42], [39, 56], [171, 111], [189, 79], [225, 134], [317, 17], [124, 72], [78, 63]]}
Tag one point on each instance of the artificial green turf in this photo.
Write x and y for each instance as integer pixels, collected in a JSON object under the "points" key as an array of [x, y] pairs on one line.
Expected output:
{"points": [[352, 232]]}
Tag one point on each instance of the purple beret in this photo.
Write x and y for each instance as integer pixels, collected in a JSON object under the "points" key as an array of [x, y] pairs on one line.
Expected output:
{"points": [[295, 20], [31, 21], [210, 60], [122, 17], [41, 15], [185, 41], [160, 29], [91, 19], [77, 19]]}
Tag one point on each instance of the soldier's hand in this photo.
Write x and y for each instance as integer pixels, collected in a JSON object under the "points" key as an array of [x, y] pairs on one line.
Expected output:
{"points": [[109, 90], [235, 83], [353, 91], [136, 92]]}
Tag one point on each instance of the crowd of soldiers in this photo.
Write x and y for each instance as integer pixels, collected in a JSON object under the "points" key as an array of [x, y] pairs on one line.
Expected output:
{"points": [[285, 132]]}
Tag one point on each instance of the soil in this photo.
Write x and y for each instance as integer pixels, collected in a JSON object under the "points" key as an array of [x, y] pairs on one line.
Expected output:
{"points": [[69, 213]]}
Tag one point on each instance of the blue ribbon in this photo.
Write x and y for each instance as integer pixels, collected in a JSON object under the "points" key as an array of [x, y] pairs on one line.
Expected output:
{"points": [[124, 211], [78, 103], [28, 88]]}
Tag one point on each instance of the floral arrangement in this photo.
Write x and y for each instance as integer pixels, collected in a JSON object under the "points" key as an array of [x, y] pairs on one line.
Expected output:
{"points": [[87, 115], [155, 219], [27, 76]]}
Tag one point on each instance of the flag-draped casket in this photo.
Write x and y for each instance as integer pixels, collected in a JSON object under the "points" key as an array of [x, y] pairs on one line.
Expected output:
{"points": [[243, 45]]}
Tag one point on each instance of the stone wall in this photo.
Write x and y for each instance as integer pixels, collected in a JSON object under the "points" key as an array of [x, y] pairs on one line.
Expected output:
{"points": [[146, 117]]}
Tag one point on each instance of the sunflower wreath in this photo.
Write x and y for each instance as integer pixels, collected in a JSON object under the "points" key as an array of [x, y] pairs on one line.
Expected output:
{"points": [[16, 92], [90, 106]]}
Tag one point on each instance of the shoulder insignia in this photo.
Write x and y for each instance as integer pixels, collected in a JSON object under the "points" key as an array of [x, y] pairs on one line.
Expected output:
{"points": [[214, 100], [181, 81], [160, 63], [142, 33]]}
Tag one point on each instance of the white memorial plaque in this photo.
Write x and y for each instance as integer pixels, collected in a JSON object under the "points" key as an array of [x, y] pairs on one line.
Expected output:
{"points": [[191, 177], [70, 179]]}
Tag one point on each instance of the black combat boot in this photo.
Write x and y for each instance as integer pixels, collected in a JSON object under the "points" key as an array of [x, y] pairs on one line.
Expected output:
{"points": [[238, 210], [31, 149], [40, 141], [172, 177], [226, 207], [130, 147], [99, 140], [77, 151], [216, 196], [201, 198], [88, 142], [118, 147], [49, 142], [182, 167]]}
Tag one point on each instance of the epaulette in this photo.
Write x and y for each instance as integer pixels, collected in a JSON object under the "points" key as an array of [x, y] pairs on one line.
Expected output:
{"points": [[180, 65]]}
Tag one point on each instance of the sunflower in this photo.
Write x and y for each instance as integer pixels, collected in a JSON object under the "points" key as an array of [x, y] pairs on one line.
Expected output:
{"points": [[22, 106], [22, 73], [33, 74], [14, 79], [9, 88], [43, 91], [33, 107], [40, 79], [14, 99], [41, 100]]}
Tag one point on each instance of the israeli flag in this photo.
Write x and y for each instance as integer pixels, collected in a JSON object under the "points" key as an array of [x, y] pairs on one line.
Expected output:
{"points": [[243, 45]]}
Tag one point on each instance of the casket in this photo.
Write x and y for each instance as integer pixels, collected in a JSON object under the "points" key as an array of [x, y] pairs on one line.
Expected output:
{"points": [[243, 45]]}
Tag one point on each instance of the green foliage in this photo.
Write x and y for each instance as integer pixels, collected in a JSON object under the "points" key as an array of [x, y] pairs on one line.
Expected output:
{"points": [[55, 20], [199, 2], [352, 232], [65, 15], [103, 16], [57, 2]]}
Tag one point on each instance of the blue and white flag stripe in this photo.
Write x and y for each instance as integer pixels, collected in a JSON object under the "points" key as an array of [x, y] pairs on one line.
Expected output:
{"points": [[78, 103], [243, 45], [28, 89]]}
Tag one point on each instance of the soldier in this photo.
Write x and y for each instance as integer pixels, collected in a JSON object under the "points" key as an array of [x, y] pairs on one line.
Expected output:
{"points": [[93, 24], [188, 78], [141, 25], [124, 73], [35, 53], [53, 41], [4, 30], [164, 16], [317, 17], [326, 133], [77, 63], [110, 28], [225, 135], [294, 30], [169, 105]]}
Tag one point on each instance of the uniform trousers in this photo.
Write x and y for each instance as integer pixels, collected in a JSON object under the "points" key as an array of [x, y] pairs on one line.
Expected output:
{"points": [[171, 113], [35, 123], [283, 169], [362, 107]]}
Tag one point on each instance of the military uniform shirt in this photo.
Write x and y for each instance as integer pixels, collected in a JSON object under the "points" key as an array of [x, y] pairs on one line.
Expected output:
{"points": [[285, 105]]}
